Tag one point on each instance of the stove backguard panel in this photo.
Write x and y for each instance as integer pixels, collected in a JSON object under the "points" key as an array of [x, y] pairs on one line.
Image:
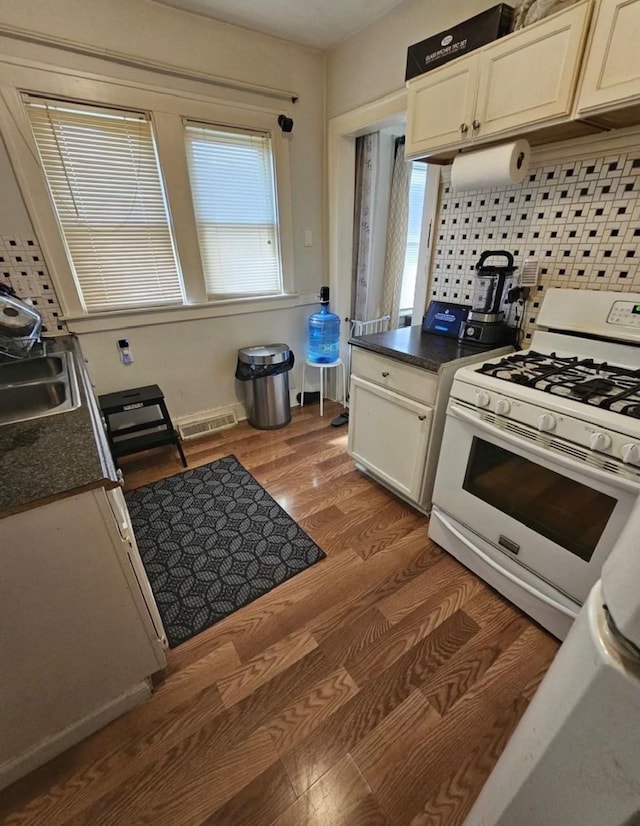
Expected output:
{"points": [[580, 220], [23, 268]]}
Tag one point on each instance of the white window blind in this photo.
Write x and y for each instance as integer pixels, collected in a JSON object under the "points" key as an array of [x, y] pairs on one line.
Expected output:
{"points": [[233, 189], [103, 175]]}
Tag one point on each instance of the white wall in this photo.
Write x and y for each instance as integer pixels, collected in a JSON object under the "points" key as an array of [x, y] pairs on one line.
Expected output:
{"points": [[371, 64], [192, 361], [14, 219]]}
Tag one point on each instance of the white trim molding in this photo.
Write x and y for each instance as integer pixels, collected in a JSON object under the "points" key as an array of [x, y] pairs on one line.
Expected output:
{"points": [[128, 319], [343, 131], [41, 39]]}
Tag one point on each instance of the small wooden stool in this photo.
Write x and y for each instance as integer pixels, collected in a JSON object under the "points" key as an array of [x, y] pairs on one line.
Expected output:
{"points": [[134, 399], [337, 363]]}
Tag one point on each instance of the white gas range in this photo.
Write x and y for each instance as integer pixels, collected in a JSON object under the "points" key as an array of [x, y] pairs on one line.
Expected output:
{"points": [[540, 462]]}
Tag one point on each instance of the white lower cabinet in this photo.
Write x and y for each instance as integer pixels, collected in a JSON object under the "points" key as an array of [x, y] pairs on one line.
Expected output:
{"points": [[389, 435], [79, 629]]}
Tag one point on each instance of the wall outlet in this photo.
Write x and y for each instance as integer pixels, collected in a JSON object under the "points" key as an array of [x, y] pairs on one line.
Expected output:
{"points": [[308, 238]]}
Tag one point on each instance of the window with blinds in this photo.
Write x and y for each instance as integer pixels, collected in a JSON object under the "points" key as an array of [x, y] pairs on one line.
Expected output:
{"points": [[234, 198], [104, 179]]}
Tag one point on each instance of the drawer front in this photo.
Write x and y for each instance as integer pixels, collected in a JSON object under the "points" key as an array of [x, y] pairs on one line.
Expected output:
{"points": [[395, 375]]}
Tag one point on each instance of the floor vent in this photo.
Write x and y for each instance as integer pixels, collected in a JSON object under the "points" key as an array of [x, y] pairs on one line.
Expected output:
{"points": [[203, 426]]}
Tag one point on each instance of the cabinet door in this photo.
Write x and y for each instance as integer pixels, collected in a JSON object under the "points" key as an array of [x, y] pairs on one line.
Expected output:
{"points": [[440, 106], [120, 511], [389, 435], [530, 77], [612, 71]]}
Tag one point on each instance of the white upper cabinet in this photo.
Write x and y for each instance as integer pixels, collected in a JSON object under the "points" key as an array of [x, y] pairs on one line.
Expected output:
{"points": [[517, 84], [530, 78], [611, 80], [441, 105]]}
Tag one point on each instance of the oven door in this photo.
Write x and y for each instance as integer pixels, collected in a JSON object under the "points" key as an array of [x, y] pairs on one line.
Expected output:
{"points": [[555, 514]]}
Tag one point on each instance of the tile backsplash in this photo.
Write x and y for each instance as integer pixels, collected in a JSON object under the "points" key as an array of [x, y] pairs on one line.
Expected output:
{"points": [[579, 219], [22, 266]]}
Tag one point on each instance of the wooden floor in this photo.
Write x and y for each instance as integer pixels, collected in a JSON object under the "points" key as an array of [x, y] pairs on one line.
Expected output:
{"points": [[378, 687]]}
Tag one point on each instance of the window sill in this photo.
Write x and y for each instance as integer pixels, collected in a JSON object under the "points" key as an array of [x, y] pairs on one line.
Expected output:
{"points": [[128, 319]]}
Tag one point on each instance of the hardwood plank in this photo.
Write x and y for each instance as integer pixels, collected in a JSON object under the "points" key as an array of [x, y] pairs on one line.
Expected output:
{"points": [[366, 664], [274, 471], [394, 568], [300, 719], [330, 801], [368, 813], [283, 691], [346, 530], [187, 786], [390, 743], [221, 660], [385, 527], [502, 625], [260, 669], [332, 467], [350, 724], [446, 573], [402, 788], [452, 801], [310, 501], [376, 497], [258, 803], [351, 638]]}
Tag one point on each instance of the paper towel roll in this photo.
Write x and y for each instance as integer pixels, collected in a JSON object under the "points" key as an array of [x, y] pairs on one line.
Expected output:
{"points": [[506, 163]]}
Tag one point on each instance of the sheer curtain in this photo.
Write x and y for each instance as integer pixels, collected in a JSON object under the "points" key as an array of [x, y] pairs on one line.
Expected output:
{"points": [[396, 236], [367, 147]]}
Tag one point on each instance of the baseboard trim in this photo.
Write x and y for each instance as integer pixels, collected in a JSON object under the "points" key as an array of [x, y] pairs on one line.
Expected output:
{"points": [[50, 747]]}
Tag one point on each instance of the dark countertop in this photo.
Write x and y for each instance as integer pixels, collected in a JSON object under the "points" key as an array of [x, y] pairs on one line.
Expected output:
{"points": [[55, 456], [412, 346]]}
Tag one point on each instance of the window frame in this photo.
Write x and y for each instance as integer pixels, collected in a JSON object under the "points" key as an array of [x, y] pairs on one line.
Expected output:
{"points": [[188, 129], [168, 111]]}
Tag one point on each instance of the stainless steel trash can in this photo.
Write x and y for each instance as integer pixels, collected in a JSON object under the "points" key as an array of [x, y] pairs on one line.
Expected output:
{"points": [[265, 373]]}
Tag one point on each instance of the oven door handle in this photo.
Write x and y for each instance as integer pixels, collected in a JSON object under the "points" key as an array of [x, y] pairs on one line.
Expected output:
{"points": [[502, 571], [599, 475]]}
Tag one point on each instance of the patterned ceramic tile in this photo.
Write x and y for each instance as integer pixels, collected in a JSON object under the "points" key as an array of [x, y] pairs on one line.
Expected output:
{"points": [[23, 268], [580, 221]]}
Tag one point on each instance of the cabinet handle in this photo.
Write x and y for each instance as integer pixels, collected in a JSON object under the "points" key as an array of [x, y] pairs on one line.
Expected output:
{"points": [[384, 375], [421, 418], [464, 128], [476, 124]]}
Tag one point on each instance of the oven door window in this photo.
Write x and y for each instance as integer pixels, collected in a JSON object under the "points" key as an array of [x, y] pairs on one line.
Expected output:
{"points": [[567, 512]]}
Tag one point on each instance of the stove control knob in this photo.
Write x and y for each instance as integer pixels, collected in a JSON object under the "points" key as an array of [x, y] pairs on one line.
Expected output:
{"points": [[631, 454], [546, 422], [503, 406], [483, 399], [600, 441]]}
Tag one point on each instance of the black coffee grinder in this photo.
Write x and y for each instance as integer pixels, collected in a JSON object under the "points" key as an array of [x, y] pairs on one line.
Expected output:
{"points": [[485, 324]]}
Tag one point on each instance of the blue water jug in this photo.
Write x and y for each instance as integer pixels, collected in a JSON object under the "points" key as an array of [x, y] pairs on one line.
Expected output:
{"points": [[324, 333]]}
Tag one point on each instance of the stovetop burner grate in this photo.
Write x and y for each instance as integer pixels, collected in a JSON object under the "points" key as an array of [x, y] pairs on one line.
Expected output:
{"points": [[585, 380]]}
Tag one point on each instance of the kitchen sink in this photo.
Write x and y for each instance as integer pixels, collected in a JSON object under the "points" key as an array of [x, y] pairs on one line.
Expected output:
{"points": [[46, 367], [37, 387]]}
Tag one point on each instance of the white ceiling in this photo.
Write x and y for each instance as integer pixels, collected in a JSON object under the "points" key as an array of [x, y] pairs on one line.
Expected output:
{"points": [[317, 23]]}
